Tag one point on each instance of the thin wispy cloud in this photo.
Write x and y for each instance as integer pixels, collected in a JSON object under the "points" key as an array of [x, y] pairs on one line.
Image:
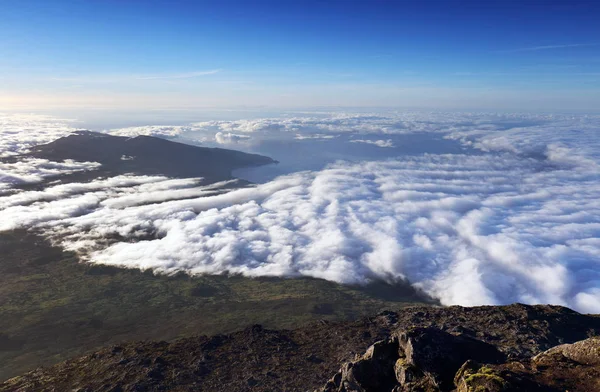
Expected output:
{"points": [[546, 47], [135, 77], [187, 75]]}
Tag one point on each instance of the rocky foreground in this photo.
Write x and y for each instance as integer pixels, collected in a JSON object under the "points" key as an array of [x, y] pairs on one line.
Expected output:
{"points": [[507, 348]]}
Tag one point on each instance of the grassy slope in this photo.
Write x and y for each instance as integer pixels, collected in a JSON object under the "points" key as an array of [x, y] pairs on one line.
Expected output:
{"points": [[53, 307]]}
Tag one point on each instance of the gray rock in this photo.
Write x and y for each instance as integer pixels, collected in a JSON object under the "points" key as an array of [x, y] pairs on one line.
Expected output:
{"points": [[585, 352], [373, 371], [438, 354]]}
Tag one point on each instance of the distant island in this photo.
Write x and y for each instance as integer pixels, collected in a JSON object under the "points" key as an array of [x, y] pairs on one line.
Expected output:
{"points": [[145, 155]]}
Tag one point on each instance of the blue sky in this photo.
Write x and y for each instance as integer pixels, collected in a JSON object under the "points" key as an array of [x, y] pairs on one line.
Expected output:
{"points": [[532, 55]]}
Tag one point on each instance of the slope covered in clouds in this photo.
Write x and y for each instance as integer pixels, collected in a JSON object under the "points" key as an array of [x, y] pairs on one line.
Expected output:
{"points": [[513, 217]]}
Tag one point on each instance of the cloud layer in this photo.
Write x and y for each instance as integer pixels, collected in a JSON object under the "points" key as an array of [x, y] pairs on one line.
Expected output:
{"points": [[517, 221], [19, 132], [378, 143], [33, 170]]}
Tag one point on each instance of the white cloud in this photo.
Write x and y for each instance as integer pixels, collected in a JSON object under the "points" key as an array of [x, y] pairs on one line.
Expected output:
{"points": [[20, 132], [230, 138], [32, 170], [519, 221], [460, 126], [118, 184], [378, 143], [85, 79], [184, 75], [295, 127], [165, 131], [549, 47], [588, 301], [440, 221], [317, 136]]}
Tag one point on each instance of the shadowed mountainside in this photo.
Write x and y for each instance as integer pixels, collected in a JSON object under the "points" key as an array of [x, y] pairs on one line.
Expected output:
{"points": [[416, 349]]}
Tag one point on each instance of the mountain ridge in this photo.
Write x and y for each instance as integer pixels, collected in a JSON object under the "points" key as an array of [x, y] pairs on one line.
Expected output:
{"points": [[144, 155], [423, 348]]}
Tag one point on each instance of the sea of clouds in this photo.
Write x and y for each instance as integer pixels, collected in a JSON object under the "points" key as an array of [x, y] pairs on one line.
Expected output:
{"points": [[472, 208], [20, 132]]}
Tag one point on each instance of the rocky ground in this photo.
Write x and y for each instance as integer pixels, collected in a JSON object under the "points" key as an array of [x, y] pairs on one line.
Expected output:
{"points": [[507, 348]]}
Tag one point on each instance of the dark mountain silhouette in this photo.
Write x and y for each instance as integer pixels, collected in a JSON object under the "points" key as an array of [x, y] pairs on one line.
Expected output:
{"points": [[147, 155]]}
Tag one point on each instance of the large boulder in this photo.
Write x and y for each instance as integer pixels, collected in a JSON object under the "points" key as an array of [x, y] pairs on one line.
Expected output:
{"points": [[421, 359], [585, 352], [439, 355], [373, 371]]}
